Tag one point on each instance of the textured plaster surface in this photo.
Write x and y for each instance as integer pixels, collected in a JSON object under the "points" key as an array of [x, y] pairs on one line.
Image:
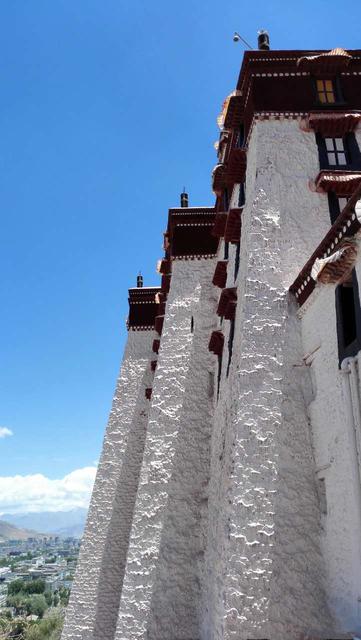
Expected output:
{"points": [[336, 462], [266, 570], [93, 606], [160, 597], [206, 519]]}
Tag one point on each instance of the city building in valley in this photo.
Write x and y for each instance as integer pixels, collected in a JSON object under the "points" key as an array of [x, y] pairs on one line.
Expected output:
{"points": [[227, 503]]}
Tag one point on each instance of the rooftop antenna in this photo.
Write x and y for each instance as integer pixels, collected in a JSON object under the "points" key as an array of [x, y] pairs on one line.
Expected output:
{"points": [[139, 280], [237, 37]]}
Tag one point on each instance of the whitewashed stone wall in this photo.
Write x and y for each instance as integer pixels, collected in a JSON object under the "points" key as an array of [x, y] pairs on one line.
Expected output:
{"points": [[336, 459], [94, 601], [267, 574], [164, 574]]}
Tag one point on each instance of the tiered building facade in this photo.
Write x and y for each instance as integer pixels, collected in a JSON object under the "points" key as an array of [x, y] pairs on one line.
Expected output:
{"points": [[227, 502]]}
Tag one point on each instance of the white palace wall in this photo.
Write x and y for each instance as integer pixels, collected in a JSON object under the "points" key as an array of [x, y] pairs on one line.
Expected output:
{"points": [[94, 601], [335, 448], [164, 573], [223, 516], [263, 554]]}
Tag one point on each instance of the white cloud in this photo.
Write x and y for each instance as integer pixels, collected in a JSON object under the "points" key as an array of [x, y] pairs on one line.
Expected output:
{"points": [[38, 493], [4, 431]]}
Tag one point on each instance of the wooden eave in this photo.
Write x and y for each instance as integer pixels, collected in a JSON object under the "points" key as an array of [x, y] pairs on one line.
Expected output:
{"points": [[190, 232], [216, 342], [219, 178], [165, 266], [271, 83], [236, 166], [232, 232], [345, 225], [333, 123], [219, 224], [220, 274], [343, 183], [227, 303], [327, 63], [279, 61], [233, 117], [143, 307]]}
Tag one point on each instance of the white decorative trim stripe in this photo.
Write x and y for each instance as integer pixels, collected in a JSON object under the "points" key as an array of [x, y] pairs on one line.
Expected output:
{"points": [[280, 74], [195, 257]]}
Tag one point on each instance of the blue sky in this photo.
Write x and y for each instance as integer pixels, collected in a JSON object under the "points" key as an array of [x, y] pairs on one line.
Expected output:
{"points": [[107, 109]]}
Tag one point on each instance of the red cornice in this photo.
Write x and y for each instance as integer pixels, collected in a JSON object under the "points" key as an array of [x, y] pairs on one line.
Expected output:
{"points": [[219, 224], [219, 178], [220, 274], [227, 303], [189, 233], [331, 123], [236, 166], [216, 342], [343, 183], [331, 62], [232, 232], [143, 307]]}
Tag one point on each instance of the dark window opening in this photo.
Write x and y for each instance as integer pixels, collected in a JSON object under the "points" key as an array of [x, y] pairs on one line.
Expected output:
{"points": [[348, 318], [339, 153], [336, 205], [226, 251], [336, 152], [219, 374], [192, 324], [236, 260], [225, 200], [241, 195], [230, 344]]}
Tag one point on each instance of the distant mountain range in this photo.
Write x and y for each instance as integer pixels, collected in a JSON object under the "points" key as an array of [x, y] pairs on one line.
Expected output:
{"points": [[10, 532], [61, 523]]}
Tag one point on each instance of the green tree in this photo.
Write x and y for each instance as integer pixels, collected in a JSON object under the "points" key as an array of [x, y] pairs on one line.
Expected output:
{"points": [[16, 586], [19, 602], [35, 586], [37, 605], [64, 594], [48, 629]]}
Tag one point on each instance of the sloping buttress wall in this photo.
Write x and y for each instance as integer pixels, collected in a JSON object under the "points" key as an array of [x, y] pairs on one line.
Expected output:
{"points": [[93, 606]]}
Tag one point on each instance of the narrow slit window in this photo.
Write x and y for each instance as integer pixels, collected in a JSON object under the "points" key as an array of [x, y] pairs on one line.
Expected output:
{"points": [[322, 498], [219, 374], [230, 345], [226, 251], [348, 317], [236, 260], [241, 195], [326, 91]]}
